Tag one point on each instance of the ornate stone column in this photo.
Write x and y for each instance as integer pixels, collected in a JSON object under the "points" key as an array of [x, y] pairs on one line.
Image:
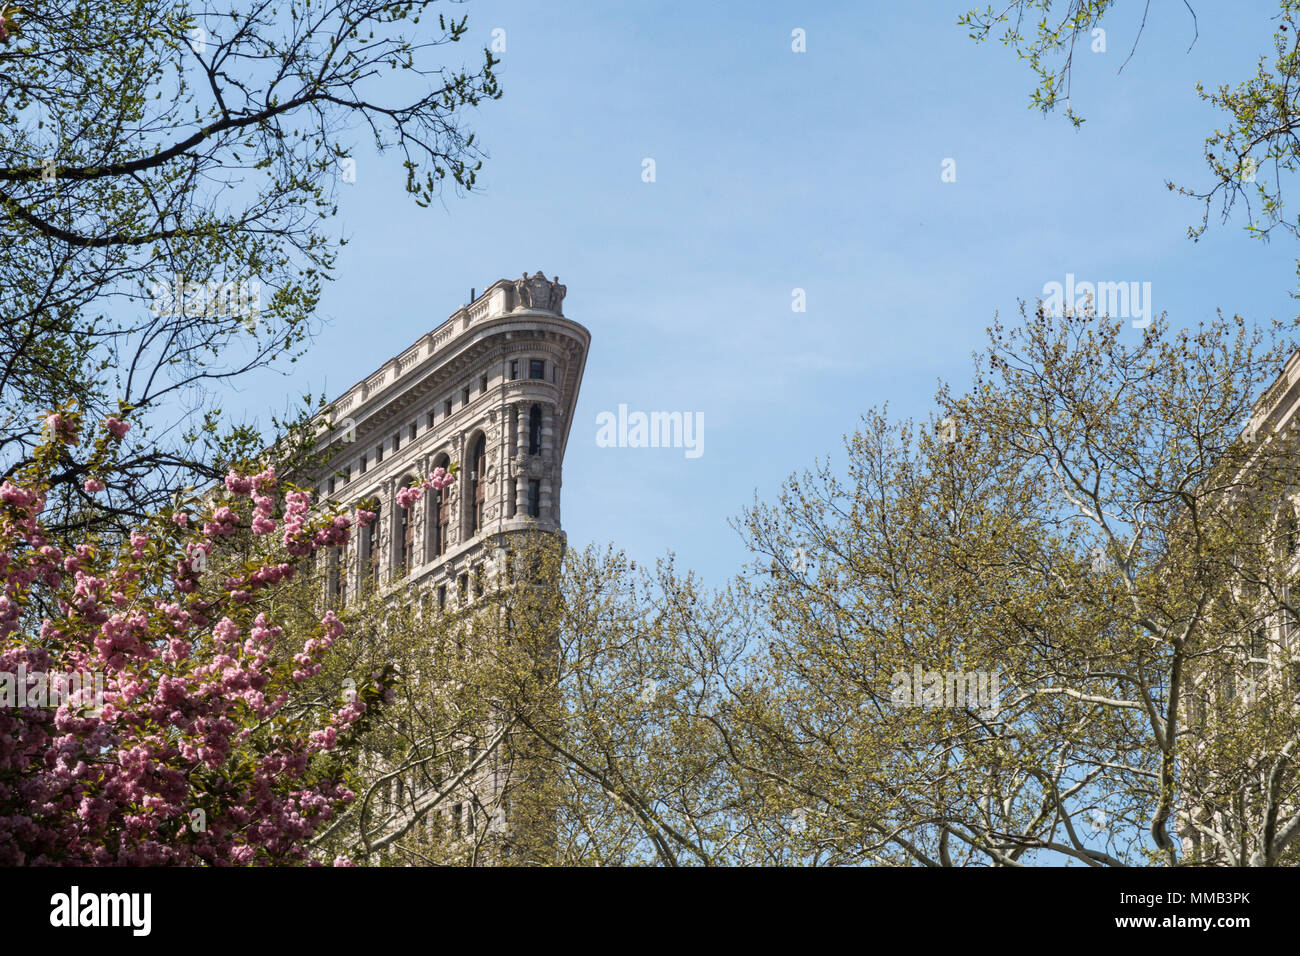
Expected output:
{"points": [[420, 516], [457, 523], [548, 458], [554, 466], [387, 529]]}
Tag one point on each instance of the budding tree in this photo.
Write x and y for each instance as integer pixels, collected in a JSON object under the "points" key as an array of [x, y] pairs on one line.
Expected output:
{"points": [[1100, 540]]}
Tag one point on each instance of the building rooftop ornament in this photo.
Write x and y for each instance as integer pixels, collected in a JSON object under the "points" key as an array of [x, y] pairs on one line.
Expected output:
{"points": [[538, 292]]}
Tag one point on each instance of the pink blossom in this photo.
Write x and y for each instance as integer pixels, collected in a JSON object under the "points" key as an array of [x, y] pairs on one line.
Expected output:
{"points": [[63, 429], [117, 428], [333, 626], [193, 682], [14, 495], [238, 484], [440, 478]]}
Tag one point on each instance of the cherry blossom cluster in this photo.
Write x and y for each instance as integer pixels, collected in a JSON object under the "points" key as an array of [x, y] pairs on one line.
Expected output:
{"points": [[439, 479], [195, 756]]}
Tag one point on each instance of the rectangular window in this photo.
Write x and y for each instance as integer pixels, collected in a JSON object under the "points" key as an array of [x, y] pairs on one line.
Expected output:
{"points": [[534, 498], [379, 453], [442, 521], [442, 597], [405, 538], [1257, 664], [397, 440], [482, 384], [411, 436], [446, 407], [478, 580], [464, 396], [363, 464], [331, 486], [537, 368], [514, 369], [429, 421], [372, 547], [535, 430], [510, 498], [462, 587], [337, 577], [1290, 631]]}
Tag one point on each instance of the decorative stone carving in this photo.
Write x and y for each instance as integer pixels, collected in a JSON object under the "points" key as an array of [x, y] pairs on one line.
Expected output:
{"points": [[538, 292], [529, 466]]}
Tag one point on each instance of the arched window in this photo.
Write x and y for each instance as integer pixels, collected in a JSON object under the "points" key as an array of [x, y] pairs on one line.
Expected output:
{"points": [[535, 430], [478, 483], [439, 514], [405, 534], [338, 577]]}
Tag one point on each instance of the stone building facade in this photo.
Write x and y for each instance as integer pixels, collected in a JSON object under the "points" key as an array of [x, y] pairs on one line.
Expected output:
{"points": [[493, 388]]}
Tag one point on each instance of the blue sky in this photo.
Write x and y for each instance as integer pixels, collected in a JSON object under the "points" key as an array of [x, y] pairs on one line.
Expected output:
{"points": [[778, 170]]}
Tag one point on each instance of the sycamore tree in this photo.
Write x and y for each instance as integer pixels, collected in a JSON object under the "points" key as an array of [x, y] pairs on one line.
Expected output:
{"points": [[564, 710], [1057, 626], [1255, 148], [443, 776], [650, 665], [168, 170]]}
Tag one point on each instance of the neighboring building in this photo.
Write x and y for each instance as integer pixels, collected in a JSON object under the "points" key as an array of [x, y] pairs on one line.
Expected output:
{"points": [[493, 389], [1257, 646]]}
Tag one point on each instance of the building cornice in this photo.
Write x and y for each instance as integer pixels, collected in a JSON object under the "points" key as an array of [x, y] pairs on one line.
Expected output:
{"points": [[496, 320]]}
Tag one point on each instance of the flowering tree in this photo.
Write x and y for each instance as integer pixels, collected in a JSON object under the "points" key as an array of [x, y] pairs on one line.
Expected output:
{"points": [[8, 21], [200, 750]]}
